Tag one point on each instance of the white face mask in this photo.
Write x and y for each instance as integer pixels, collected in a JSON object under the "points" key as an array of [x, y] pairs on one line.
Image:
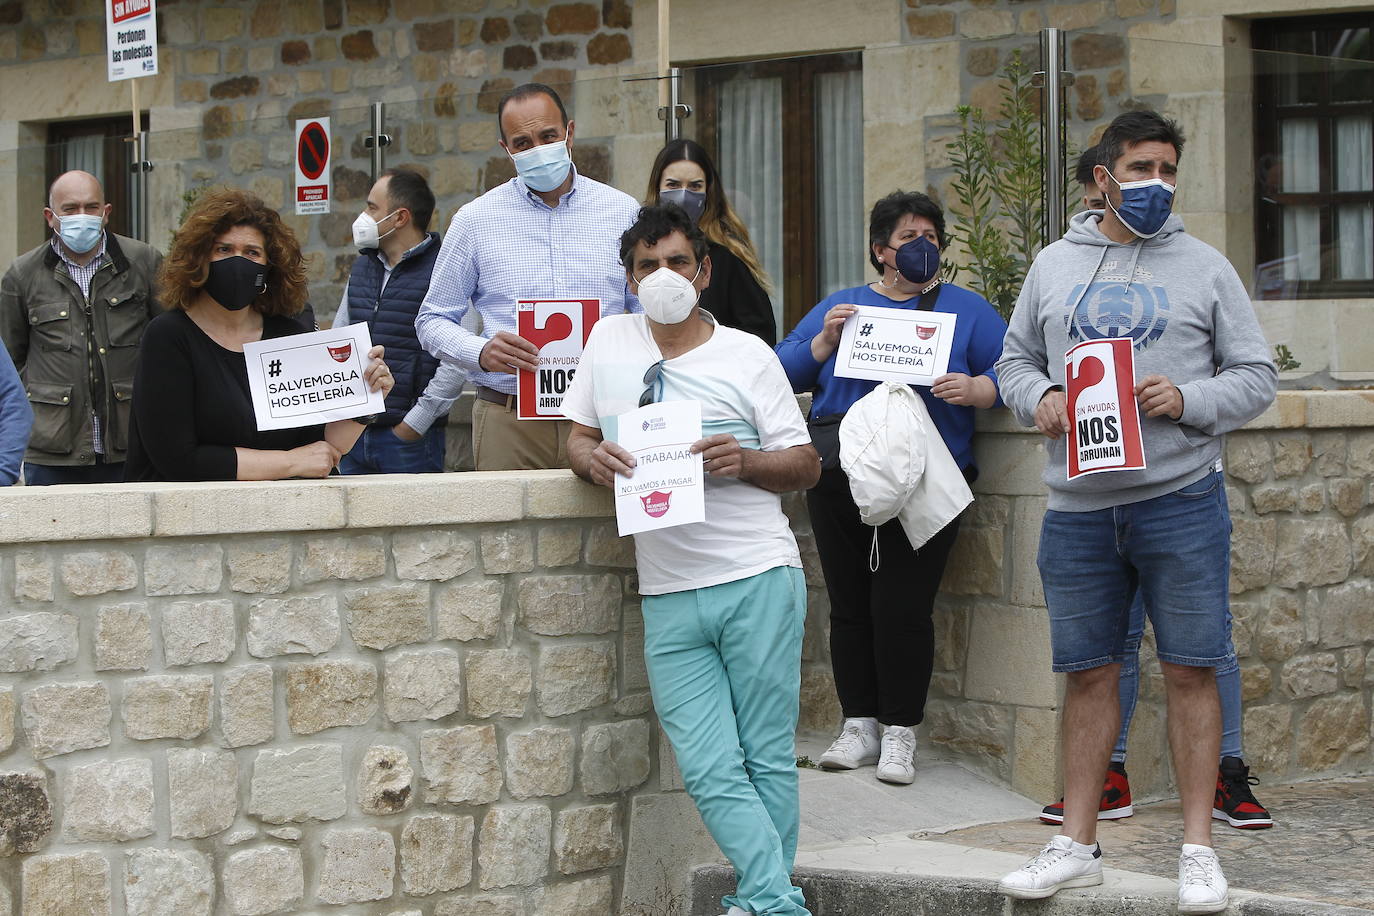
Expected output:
{"points": [[668, 296], [365, 235]]}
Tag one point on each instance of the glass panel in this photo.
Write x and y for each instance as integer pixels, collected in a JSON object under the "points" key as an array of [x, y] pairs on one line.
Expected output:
{"points": [[1302, 243], [1355, 242], [1350, 82], [1300, 147], [1354, 155], [751, 167], [840, 172]]}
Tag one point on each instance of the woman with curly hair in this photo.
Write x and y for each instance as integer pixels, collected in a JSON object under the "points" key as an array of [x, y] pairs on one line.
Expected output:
{"points": [[737, 296], [234, 275]]}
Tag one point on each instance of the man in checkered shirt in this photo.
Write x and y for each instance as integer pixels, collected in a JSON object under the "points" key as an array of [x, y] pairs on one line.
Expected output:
{"points": [[548, 233]]}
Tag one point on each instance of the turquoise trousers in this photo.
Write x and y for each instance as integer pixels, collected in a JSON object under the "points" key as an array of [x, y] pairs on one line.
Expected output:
{"points": [[725, 669]]}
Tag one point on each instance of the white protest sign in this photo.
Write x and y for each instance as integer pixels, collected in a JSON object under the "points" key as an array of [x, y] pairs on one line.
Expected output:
{"points": [[1104, 424], [313, 180], [131, 39], [666, 489], [305, 379], [897, 345]]}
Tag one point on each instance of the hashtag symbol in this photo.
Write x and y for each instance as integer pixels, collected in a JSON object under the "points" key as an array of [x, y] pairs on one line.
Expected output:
{"points": [[866, 330], [274, 368]]}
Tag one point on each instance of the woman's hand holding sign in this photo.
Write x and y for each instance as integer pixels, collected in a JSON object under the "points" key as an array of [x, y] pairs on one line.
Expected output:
{"points": [[828, 339]]}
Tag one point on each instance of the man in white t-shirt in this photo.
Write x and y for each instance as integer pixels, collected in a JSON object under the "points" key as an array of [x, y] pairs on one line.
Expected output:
{"points": [[724, 599]]}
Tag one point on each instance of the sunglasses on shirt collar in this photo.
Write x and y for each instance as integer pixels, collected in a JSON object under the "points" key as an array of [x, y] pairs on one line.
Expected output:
{"points": [[652, 378]]}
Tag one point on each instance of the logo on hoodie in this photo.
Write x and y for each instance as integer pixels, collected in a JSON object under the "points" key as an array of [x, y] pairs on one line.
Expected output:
{"points": [[1113, 306]]}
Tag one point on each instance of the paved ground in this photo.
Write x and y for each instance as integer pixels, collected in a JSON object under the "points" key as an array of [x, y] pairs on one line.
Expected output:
{"points": [[952, 823]]}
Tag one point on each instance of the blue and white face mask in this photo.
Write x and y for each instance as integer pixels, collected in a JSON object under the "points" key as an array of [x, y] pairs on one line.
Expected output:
{"points": [[80, 231], [1145, 205], [543, 168]]}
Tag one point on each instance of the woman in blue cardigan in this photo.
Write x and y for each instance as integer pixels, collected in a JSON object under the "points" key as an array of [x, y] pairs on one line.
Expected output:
{"points": [[882, 638]]}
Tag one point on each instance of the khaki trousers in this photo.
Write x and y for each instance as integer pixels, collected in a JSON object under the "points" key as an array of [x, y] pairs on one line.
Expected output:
{"points": [[500, 442]]}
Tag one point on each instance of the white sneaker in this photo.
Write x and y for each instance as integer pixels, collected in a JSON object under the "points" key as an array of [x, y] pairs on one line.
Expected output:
{"points": [[857, 746], [898, 761], [1201, 885], [1054, 868], [738, 911]]}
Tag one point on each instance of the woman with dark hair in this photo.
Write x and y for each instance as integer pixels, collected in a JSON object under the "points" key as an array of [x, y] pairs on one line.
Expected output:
{"points": [[234, 275], [882, 638], [684, 174]]}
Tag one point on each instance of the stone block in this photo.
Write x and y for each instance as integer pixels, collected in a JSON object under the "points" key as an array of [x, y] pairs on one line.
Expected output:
{"points": [[436, 853], [1035, 766], [25, 812], [498, 682], [96, 572], [481, 905], [1312, 498], [1332, 731], [587, 838], [328, 694], [61, 718], [6, 718], [196, 510], [667, 840], [507, 550], [460, 765], [202, 790], [1273, 498], [469, 611], [66, 885], [1347, 495], [820, 705], [1268, 737], [198, 632], [558, 545], [1311, 552], [437, 555], [167, 706], [615, 757], [980, 731], [1309, 675], [161, 882], [1253, 545], [33, 576], [260, 567], [513, 848], [246, 706], [1006, 657], [930, 24], [1255, 682], [197, 569], [384, 780], [1352, 667], [387, 616], [634, 674], [539, 762], [1027, 590], [351, 558], [565, 605], [123, 637], [487, 496], [303, 783], [1249, 457], [300, 624], [1345, 615], [37, 642], [606, 548], [983, 24], [108, 801], [71, 515], [589, 897], [265, 879], [359, 865], [574, 678], [422, 685]]}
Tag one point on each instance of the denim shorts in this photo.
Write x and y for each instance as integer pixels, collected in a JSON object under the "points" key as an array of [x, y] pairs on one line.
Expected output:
{"points": [[1175, 548]]}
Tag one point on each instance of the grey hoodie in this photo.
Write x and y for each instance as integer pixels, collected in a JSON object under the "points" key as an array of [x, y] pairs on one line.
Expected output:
{"points": [[1191, 320]]}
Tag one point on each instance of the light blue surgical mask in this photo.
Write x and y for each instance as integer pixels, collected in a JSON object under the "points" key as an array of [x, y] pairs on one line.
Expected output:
{"points": [[80, 231], [543, 168], [1145, 205]]}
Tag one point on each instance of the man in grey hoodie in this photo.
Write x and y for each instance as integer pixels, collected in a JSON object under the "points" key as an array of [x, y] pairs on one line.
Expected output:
{"points": [[1202, 368]]}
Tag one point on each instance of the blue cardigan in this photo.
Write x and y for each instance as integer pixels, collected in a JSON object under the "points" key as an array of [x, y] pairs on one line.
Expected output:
{"points": [[16, 420], [978, 334]]}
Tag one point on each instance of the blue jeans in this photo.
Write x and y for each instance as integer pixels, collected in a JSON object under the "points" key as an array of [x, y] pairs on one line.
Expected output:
{"points": [[45, 475], [378, 451], [1174, 550], [1128, 686], [725, 671]]}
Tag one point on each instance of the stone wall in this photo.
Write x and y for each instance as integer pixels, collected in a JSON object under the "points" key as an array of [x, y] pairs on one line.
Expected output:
{"points": [[392, 695]]}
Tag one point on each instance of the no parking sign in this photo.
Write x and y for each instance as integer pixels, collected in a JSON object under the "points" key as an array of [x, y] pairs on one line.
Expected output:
{"points": [[313, 185]]}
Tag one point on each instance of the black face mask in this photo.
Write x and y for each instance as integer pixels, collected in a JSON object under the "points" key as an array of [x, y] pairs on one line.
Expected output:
{"points": [[235, 282]]}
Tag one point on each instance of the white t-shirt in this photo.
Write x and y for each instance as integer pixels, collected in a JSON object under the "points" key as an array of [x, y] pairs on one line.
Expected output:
{"points": [[744, 391]]}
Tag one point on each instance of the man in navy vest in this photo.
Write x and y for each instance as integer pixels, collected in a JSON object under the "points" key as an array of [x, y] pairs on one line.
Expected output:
{"points": [[385, 289]]}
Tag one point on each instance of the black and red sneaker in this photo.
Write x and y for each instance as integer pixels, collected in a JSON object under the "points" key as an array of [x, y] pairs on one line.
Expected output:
{"points": [[1235, 803], [1116, 799]]}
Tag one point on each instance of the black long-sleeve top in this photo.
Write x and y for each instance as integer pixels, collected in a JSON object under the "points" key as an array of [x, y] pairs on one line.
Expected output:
{"points": [[192, 405], [735, 299]]}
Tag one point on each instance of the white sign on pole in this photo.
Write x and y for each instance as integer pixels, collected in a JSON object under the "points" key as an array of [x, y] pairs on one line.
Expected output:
{"points": [[666, 488], [313, 181], [305, 379], [895, 345], [131, 33]]}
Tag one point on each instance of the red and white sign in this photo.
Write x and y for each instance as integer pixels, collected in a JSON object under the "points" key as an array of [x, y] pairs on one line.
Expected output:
{"points": [[1104, 424], [131, 39], [313, 186], [559, 328]]}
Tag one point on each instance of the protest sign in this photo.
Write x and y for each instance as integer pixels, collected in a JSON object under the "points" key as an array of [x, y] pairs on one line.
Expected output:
{"points": [[305, 379], [666, 489], [559, 328], [896, 345], [130, 39], [1104, 424]]}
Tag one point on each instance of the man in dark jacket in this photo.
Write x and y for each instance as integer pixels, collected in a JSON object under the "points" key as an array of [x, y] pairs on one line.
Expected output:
{"points": [[72, 312], [385, 289]]}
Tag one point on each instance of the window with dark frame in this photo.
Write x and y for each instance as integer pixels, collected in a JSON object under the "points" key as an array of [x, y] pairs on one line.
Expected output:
{"points": [[100, 146], [787, 136], [1314, 172]]}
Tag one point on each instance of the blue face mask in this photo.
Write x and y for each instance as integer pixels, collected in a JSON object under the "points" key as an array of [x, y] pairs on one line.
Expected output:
{"points": [[80, 231], [694, 202], [543, 168], [918, 261], [1145, 205]]}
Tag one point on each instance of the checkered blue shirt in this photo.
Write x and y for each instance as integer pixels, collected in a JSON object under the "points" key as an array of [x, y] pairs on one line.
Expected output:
{"points": [[508, 245]]}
